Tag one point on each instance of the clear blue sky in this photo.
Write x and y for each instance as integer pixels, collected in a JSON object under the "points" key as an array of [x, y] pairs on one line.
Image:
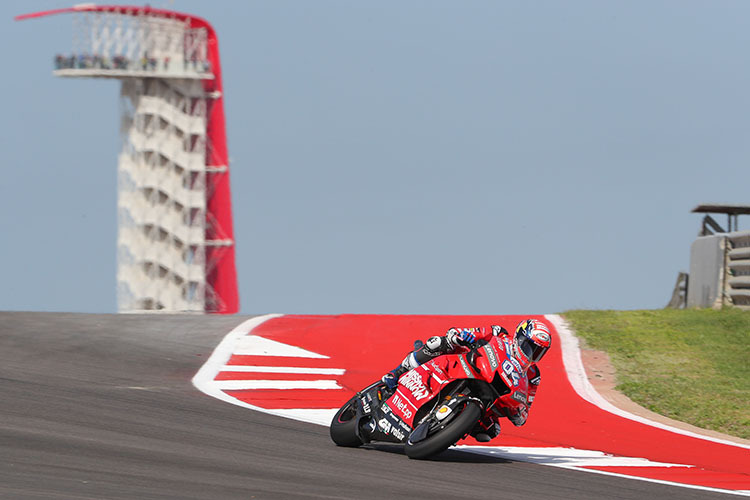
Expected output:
{"points": [[474, 157]]}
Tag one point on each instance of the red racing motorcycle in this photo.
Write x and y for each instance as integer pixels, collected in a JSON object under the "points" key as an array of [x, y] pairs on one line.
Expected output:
{"points": [[435, 404]]}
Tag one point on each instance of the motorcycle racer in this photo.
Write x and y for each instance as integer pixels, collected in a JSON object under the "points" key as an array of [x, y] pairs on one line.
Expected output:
{"points": [[528, 344]]}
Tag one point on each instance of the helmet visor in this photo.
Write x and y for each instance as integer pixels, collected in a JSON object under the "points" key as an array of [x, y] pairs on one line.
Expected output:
{"points": [[530, 349]]}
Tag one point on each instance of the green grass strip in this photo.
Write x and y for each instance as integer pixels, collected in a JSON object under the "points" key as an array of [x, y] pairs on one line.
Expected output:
{"points": [[690, 365]]}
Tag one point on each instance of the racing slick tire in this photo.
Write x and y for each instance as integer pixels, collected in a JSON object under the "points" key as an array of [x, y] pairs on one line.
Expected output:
{"points": [[444, 437], [344, 425]]}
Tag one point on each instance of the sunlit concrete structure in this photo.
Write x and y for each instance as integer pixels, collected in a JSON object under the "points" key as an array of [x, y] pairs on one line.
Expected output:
{"points": [[175, 235], [720, 260]]}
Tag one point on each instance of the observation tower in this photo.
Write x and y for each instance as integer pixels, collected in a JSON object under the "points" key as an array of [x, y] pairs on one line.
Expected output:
{"points": [[175, 243]]}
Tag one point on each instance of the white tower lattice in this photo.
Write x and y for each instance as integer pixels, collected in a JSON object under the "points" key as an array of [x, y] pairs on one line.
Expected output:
{"points": [[175, 243]]}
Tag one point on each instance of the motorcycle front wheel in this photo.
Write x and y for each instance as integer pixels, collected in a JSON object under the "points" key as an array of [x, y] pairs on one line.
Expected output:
{"points": [[443, 437], [344, 425]]}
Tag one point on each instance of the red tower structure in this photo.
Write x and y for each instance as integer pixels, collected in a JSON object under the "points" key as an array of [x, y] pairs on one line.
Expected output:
{"points": [[176, 248]]}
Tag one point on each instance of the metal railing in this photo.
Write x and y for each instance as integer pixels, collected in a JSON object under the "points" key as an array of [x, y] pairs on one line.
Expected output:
{"points": [[719, 272], [737, 269]]}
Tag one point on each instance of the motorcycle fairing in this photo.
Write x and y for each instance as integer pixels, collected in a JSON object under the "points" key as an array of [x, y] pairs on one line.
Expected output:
{"points": [[414, 388], [375, 419], [391, 425], [423, 383]]}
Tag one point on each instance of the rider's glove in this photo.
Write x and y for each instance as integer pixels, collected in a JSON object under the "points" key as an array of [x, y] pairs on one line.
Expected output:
{"points": [[460, 336], [520, 417]]}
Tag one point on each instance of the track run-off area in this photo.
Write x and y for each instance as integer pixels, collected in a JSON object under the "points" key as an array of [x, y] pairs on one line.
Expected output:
{"points": [[103, 406], [305, 367]]}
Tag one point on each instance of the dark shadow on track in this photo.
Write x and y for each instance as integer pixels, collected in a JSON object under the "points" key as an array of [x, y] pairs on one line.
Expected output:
{"points": [[102, 407], [449, 455]]}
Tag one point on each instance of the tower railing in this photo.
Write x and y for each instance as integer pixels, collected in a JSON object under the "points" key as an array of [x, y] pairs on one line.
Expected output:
{"points": [[175, 235]]}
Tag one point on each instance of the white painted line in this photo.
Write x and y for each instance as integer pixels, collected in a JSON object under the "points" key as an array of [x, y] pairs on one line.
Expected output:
{"points": [[661, 481], [239, 385], [574, 459], [252, 345], [283, 369], [565, 457], [204, 379], [571, 354]]}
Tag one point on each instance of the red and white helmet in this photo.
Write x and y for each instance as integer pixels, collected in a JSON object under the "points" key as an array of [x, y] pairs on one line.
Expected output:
{"points": [[532, 340]]}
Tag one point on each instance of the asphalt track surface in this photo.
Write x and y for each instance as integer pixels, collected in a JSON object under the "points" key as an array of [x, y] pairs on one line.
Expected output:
{"points": [[102, 407]]}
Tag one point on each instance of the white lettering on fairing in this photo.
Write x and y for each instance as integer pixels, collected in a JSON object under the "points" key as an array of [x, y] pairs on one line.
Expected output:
{"points": [[401, 405], [385, 425], [436, 367], [413, 382]]}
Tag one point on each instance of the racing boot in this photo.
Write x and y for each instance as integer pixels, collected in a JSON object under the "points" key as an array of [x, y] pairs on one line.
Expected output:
{"points": [[390, 379]]}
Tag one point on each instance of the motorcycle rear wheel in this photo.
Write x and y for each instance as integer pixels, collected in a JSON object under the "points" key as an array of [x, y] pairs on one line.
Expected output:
{"points": [[344, 425], [444, 438]]}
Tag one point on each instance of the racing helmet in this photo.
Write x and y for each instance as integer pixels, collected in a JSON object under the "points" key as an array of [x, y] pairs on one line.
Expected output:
{"points": [[532, 340]]}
